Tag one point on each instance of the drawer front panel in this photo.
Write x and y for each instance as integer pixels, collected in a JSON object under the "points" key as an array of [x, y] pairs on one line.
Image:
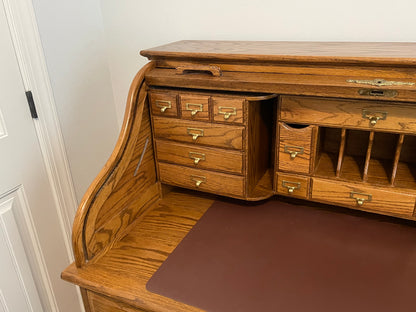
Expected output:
{"points": [[164, 103], [200, 157], [199, 132], [292, 185], [195, 107], [295, 148], [202, 180], [228, 110], [362, 197], [369, 115]]}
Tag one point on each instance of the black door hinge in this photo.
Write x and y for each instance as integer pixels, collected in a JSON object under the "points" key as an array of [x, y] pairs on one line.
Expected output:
{"points": [[31, 103]]}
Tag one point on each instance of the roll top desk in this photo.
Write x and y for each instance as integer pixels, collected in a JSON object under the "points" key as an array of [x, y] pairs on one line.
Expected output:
{"points": [[333, 123]]}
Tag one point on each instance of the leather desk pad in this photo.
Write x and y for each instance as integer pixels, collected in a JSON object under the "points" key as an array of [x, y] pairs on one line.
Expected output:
{"points": [[277, 256]]}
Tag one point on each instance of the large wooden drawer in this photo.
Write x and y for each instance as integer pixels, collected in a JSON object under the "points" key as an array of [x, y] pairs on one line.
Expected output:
{"points": [[200, 157], [202, 180], [295, 148], [363, 197], [199, 132], [359, 114]]}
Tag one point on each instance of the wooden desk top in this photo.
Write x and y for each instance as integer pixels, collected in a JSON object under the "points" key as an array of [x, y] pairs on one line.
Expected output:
{"points": [[124, 271], [392, 53]]}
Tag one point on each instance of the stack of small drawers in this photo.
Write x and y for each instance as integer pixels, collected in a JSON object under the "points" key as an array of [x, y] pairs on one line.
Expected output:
{"points": [[201, 140]]}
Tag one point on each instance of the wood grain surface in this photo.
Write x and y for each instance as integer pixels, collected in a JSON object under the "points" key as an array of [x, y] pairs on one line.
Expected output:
{"points": [[224, 136], [227, 161], [289, 51], [320, 84], [106, 181], [203, 180], [353, 114], [384, 201], [122, 273]]}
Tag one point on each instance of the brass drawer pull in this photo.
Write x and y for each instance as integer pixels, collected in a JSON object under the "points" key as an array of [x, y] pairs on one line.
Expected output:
{"points": [[291, 186], [197, 157], [374, 117], [194, 108], [227, 111], [163, 105], [293, 151], [198, 180], [195, 133], [361, 197]]}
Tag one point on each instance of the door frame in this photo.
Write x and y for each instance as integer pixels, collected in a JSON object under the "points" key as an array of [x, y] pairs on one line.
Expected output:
{"points": [[31, 60]]}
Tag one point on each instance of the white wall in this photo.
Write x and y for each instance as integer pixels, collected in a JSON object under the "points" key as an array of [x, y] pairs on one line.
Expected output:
{"points": [[132, 25], [73, 43]]}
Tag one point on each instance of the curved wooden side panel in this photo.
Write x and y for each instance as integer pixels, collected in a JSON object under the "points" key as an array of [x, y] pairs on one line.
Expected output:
{"points": [[113, 200]]}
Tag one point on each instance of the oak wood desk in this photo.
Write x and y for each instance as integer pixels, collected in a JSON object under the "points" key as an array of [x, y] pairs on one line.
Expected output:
{"points": [[333, 123]]}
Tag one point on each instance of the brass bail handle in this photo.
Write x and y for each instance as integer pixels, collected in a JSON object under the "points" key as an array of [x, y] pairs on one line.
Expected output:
{"points": [[163, 105], [361, 198], [291, 186], [195, 133], [194, 108], [198, 180], [293, 151], [197, 157], [227, 111], [374, 117]]}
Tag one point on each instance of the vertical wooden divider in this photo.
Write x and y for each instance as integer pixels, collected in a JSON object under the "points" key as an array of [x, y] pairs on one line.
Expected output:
{"points": [[396, 159], [368, 156], [341, 151]]}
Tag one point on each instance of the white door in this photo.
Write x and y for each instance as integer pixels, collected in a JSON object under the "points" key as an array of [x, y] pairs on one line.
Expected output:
{"points": [[32, 246]]}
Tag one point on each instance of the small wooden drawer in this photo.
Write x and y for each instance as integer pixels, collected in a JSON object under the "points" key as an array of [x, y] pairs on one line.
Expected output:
{"points": [[194, 107], [292, 185], [359, 114], [202, 180], [295, 148], [200, 157], [163, 103], [362, 197], [197, 132], [229, 110]]}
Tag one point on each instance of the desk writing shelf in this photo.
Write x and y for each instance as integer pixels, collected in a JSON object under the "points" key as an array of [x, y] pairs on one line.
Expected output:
{"points": [[331, 123]]}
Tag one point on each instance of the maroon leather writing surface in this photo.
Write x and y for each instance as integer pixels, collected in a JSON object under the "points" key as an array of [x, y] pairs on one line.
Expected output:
{"points": [[281, 257]]}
